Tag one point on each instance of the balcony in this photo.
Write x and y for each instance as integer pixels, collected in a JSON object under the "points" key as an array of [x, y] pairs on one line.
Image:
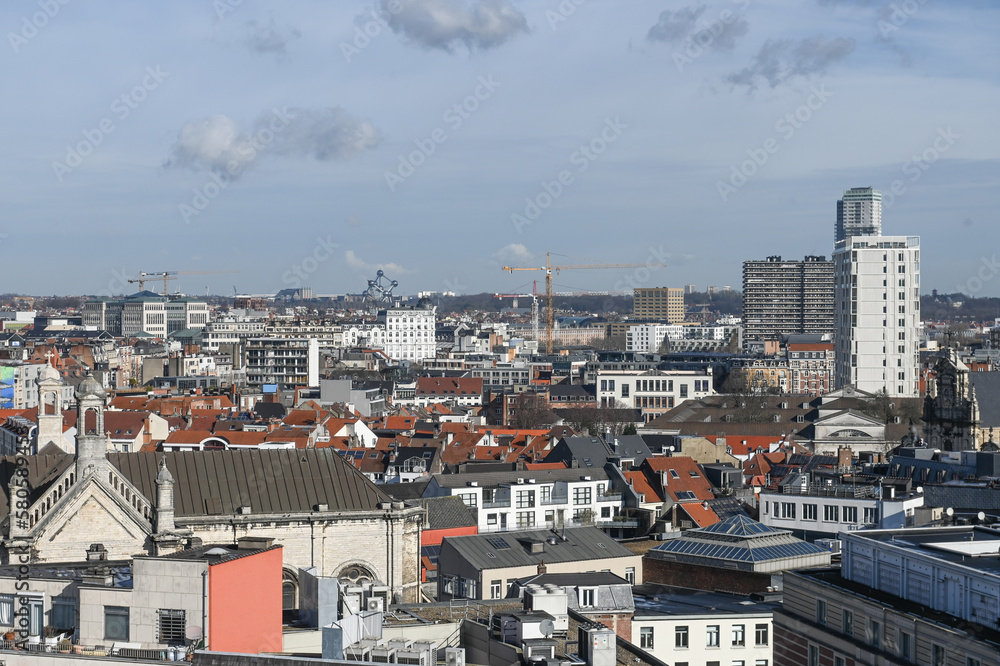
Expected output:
{"points": [[610, 497], [497, 504], [552, 501]]}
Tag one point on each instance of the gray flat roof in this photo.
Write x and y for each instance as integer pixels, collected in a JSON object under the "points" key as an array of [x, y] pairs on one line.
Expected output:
{"points": [[501, 550], [493, 479], [682, 601]]}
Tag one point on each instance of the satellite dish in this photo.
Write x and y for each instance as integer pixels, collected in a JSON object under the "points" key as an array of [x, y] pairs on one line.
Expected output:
{"points": [[949, 512], [193, 633], [547, 628]]}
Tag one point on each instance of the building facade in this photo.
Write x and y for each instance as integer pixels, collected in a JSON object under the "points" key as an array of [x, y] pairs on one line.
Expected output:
{"points": [[409, 333], [787, 297], [658, 304], [282, 361], [859, 213], [878, 327], [654, 392]]}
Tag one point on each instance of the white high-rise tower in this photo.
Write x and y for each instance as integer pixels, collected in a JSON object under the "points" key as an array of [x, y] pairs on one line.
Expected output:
{"points": [[859, 213], [877, 298]]}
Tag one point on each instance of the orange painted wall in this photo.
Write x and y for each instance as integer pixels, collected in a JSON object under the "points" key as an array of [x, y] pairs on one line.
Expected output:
{"points": [[244, 604]]}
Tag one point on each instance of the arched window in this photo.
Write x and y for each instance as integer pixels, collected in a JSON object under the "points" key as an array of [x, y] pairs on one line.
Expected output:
{"points": [[355, 574], [289, 590]]}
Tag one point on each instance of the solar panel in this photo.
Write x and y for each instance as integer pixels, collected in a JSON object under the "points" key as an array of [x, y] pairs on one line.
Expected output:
{"points": [[497, 542]]}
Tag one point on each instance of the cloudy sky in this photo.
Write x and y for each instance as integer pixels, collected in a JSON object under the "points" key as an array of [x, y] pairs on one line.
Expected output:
{"points": [[309, 143]]}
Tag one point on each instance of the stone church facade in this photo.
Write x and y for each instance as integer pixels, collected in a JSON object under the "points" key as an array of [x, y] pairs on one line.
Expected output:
{"points": [[951, 412], [322, 511]]}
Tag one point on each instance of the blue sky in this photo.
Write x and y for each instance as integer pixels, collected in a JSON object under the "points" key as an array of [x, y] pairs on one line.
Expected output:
{"points": [[311, 143]]}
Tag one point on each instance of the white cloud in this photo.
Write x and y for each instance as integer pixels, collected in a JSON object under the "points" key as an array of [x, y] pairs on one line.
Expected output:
{"points": [[515, 253], [359, 264], [446, 24]]}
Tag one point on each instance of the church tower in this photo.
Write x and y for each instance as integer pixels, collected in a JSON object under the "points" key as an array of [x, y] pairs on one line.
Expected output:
{"points": [[951, 411], [91, 439], [50, 418]]}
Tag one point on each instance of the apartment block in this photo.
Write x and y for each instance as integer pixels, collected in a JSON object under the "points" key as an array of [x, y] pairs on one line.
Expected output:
{"points": [[878, 329], [859, 213], [787, 297], [659, 304], [409, 333], [282, 361], [653, 391]]}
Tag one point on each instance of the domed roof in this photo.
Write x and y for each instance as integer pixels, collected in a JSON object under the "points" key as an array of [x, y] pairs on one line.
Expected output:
{"points": [[90, 387], [49, 373]]}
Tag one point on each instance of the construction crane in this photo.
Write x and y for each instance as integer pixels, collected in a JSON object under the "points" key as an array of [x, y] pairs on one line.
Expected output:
{"points": [[166, 276], [548, 268], [534, 308]]}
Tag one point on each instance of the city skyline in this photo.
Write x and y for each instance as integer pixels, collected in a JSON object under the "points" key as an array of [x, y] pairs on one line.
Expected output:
{"points": [[309, 145]]}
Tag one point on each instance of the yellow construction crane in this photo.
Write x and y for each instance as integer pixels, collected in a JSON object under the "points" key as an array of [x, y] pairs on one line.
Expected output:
{"points": [[166, 276], [548, 268]]}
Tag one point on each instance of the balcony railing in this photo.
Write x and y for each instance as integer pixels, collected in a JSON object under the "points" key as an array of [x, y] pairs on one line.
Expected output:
{"points": [[549, 501], [112, 651], [498, 504], [609, 497]]}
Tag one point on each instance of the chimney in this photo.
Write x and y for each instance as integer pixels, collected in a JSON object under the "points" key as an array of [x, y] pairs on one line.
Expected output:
{"points": [[542, 568]]}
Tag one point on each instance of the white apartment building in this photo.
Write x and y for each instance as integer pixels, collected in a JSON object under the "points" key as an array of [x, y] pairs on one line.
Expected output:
{"points": [[504, 501], [647, 338], [878, 330], [828, 510], [363, 335], [859, 213], [186, 313], [230, 331], [409, 333], [19, 387], [282, 361], [704, 628], [652, 391]]}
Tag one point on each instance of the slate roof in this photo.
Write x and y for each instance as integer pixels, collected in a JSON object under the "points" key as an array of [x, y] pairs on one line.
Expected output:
{"points": [[270, 481], [502, 550], [447, 512], [43, 470]]}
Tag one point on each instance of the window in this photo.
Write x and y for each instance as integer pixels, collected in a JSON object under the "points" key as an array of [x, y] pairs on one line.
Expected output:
{"points": [[525, 499], [905, 645], [63, 613], [808, 512], [468, 588], [760, 662], [630, 575], [171, 625], [581, 495], [937, 655], [831, 513], [587, 595], [972, 661], [788, 510], [850, 514], [116, 623], [496, 587], [760, 635], [7, 610], [739, 635], [875, 634], [525, 518], [839, 661], [847, 623], [449, 583], [646, 638], [813, 655], [712, 635], [821, 611], [546, 494], [684, 390], [871, 515], [681, 636], [470, 499], [624, 390], [491, 519]]}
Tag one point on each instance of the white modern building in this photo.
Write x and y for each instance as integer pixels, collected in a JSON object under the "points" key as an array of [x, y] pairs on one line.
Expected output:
{"points": [[504, 501], [878, 330], [230, 331], [859, 213], [282, 361], [827, 510], [409, 333], [652, 391], [688, 627], [647, 338]]}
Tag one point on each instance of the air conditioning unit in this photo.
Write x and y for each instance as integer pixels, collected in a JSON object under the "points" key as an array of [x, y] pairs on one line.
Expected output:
{"points": [[376, 604], [454, 656]]}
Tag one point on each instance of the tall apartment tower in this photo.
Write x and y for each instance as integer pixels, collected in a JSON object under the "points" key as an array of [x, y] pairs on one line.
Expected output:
{"points": [[787, 297], [859, 213], [658, 304], [877, 296]]}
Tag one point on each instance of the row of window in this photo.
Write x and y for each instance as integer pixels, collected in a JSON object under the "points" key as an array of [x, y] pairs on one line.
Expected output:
{"points": [[527, 518], [713, 636], [171, 623], [832, 513]]}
